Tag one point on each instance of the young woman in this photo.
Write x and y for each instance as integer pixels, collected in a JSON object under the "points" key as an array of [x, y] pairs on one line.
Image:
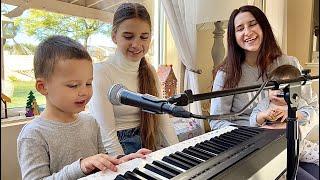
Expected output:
{"points": [[252, 53], [126, 129]]}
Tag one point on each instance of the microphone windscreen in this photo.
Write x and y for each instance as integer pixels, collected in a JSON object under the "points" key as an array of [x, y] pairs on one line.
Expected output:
{"points": [[114, 94]]}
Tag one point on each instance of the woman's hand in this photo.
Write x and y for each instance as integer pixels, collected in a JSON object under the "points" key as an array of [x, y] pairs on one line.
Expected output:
{"points": [[100, 162]]}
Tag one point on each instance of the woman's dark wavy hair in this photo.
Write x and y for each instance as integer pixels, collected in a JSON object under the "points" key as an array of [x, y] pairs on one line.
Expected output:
{"points": [[147, 82], [269, 49]]}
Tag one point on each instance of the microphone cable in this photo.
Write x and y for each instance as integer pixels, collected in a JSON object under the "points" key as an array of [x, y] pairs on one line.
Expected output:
{"points": [[235, 115]]}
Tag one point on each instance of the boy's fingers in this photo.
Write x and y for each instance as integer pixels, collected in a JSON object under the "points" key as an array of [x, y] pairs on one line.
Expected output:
{"points": [[104, 164], [113, 160]]}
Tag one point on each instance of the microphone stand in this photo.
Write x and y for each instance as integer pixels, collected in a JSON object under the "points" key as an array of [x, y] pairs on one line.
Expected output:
{"points": [[292, 95], [292, 92]]}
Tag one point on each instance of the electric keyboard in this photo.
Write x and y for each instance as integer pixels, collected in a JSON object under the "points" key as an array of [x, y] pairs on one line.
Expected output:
{"points": [[233, 152]]}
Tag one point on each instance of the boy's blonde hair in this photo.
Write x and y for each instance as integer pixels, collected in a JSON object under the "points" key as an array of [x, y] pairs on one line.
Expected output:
{"points": [[54, 49]]}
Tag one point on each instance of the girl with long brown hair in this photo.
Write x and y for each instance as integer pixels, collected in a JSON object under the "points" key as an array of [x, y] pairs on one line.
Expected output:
{"points": [[126, 129], [253, 52]]}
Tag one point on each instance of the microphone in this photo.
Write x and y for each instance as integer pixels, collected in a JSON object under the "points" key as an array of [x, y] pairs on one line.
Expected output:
{"points": [[119, 94]]}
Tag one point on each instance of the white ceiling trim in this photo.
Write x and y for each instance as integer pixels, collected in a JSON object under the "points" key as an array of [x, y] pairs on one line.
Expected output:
{"points": [[90, 3], [63, 8]]}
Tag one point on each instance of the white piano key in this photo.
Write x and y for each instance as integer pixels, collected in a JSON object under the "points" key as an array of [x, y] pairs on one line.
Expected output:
{"points": [[138, 176], [148, 172], [180, 169]]}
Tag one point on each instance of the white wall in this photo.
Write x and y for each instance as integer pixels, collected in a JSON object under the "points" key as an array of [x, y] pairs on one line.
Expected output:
{"points": [[214, 10], [10, 169], [276, 13]]}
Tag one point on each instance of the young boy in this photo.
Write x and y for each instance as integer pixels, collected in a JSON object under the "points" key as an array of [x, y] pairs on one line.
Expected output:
{"points": [[63, 143], [272, 112]]}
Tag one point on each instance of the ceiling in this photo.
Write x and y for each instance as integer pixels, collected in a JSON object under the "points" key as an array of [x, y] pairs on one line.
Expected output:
{"points": [[94, 9]]}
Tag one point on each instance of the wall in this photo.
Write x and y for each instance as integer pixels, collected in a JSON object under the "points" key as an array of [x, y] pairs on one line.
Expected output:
{"points": [[9, 162], [214, 10], [204, 45], [299, 29], [276, 13], [171, 56]]}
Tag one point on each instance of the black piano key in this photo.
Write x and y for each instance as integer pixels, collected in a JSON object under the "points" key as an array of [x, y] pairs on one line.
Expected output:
{"points": [[131, 176], [218, 141], [238, 132], [203, 152], [231, 138], [191, 158], [241, 132], [159, 171], [195, 153], [120, 177], [207, 148], [177, 163], [227, 140], [215, 147], [183, 159], [142, 174], [249, 132], [238, 136], [244, 132], [167, 167], [251, 129], [215, 144]]}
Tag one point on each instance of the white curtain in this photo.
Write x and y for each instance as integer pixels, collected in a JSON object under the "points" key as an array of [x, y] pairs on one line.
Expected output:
{"points": [[181, 16]]}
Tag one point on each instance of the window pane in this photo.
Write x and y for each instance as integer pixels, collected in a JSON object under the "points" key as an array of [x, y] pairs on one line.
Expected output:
{"points": [[23, 34]]}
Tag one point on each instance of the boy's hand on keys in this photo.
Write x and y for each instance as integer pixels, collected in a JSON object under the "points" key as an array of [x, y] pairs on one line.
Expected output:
{"points": [[141, 153], [98, 162]]}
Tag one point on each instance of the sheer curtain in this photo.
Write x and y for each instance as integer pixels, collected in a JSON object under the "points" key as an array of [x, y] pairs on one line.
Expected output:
{"points": [[181, 16]]}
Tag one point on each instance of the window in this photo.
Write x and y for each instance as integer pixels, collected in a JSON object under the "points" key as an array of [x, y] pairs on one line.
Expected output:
{"points": [[22, 34]]}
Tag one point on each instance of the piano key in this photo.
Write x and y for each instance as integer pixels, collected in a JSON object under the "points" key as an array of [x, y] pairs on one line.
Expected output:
{"points": [[207, 148], [132, 176], [191, 158], [172, 165], [218, 141], [176, 163], [251, 129], [143, 174], [234, 139], [246, 133], [196, 154], [183, 159], [227, 141], [214, 146], [159, 171], [167, 167], [204, 152], [242, 134], [120, 177], [237, 137]]}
